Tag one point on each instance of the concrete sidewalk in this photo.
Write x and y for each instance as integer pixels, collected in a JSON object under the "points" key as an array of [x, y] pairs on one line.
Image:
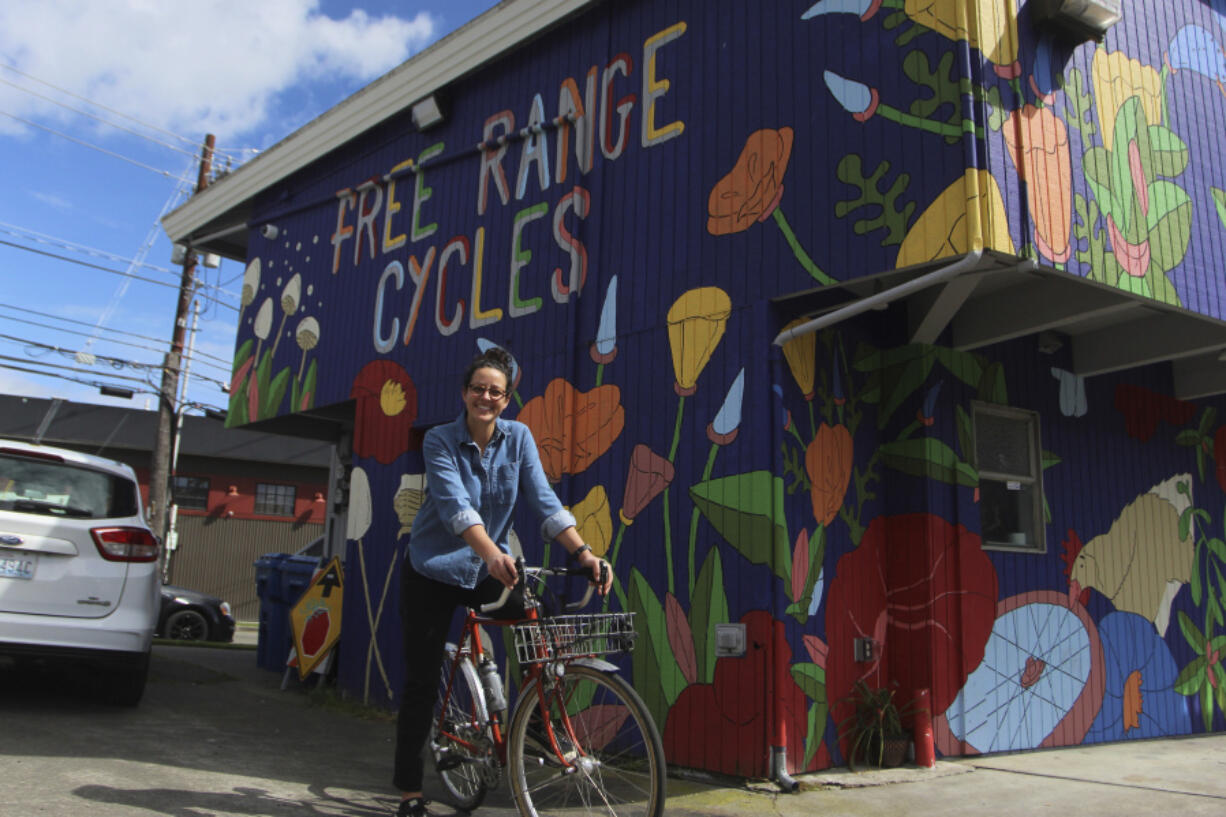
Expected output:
{"points": [[216, 735]]}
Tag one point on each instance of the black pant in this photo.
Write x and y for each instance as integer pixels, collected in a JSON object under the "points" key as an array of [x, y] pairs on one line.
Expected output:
{"points": [[426, 610]]}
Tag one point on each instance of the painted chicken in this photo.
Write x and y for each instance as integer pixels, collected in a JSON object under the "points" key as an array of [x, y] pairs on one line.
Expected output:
{"points": [[1141, 562]]}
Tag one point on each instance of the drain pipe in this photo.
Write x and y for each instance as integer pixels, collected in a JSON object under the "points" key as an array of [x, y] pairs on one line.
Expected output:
{"points": [[779, 770], [882, 298]]}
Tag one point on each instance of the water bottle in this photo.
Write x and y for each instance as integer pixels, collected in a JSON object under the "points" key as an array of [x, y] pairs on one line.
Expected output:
{"points": [[495, 701]]}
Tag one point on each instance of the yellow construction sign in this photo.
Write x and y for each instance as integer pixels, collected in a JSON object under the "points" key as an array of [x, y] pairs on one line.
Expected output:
{"points": [[316, 618]]}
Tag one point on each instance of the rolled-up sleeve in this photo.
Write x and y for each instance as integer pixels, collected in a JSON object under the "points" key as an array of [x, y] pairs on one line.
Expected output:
{"points": [[534, 486], [454, 503]]}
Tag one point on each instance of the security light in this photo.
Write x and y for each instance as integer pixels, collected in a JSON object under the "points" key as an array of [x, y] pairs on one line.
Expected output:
{"points": [[1084, 19], [426, 113]]}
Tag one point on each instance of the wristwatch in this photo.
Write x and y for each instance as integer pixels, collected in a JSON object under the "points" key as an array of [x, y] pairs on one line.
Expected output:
{"points": [[580, 549]]}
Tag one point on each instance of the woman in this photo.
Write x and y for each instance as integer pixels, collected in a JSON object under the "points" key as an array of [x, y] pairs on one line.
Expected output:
{"points": [[476, 469]]}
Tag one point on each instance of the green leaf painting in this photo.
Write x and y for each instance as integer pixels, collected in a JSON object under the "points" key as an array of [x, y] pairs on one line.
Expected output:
{"points": [[747, 510]]}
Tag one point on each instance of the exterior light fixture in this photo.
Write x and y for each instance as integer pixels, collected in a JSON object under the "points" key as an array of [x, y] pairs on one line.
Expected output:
{"points": [[1084, 19], [427, 113], [233, 491], [270, 231]]}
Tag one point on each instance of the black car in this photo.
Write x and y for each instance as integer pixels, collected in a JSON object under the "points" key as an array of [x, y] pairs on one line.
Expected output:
{"points": [[191, 616]]}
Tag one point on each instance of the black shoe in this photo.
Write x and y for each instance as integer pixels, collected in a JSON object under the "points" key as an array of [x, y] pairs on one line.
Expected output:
{"points": [[414, 807]]}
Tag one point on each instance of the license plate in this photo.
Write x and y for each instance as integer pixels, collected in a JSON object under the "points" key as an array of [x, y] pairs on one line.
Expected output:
{"points": [[16, 567]]}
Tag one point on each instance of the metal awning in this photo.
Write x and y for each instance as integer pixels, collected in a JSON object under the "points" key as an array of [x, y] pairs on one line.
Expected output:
{"points": [[995, 298]]}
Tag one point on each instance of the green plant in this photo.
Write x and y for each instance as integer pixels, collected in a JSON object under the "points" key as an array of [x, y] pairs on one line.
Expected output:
{"points": [[877, 716]]}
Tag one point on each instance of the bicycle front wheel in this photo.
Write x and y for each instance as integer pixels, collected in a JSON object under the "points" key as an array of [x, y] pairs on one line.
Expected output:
{"points": [[599, 754], [460, 741]]}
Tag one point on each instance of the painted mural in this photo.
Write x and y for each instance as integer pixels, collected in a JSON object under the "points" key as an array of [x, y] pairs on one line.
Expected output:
{"points": [[624, 245]]}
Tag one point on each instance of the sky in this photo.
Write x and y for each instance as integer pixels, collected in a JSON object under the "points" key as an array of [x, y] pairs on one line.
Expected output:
{"points": [[104, 107]]}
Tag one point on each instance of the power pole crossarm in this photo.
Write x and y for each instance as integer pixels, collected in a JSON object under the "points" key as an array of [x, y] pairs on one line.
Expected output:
{"points": [[163, 443]]}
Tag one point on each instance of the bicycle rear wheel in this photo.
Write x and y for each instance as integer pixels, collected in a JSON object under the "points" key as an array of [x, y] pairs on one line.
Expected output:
{"points": [[611, 761], [460, 740]]}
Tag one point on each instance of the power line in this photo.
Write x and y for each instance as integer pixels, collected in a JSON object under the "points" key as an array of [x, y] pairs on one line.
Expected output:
{"points": [[112, 271], [97, 118], [221, 365], [83, 143], [129, 117]]}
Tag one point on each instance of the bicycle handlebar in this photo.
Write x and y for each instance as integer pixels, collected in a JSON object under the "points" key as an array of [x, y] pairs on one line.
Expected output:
{"points": [[540, 572]]}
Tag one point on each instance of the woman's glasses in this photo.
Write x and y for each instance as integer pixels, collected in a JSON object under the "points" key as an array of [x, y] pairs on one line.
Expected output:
{"points": [[494, 392]]}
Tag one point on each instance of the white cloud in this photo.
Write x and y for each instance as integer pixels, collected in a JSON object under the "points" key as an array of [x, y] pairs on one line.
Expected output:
{"points": [[214, 66]]}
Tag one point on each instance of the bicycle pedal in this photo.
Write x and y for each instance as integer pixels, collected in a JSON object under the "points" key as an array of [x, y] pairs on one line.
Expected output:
{"points": [[446, 764]]}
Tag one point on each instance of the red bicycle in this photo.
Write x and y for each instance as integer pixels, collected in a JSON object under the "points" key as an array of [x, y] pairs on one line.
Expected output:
{"points": [[579, 739]]}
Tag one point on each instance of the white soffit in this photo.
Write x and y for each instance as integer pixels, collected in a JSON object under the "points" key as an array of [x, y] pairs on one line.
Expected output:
{"points": [[477, 43]]}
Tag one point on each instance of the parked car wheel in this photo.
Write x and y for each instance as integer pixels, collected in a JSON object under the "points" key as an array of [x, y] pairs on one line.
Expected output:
{"points": [[124, 684], [187, 625], [189, 615]]}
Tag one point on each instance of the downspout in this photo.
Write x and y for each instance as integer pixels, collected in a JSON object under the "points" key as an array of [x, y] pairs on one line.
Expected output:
{"points": [[946, 273]]}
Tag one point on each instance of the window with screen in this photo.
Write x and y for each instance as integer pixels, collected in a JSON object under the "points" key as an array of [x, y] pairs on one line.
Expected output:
{"points": [[1009, 460], [191, 493], [274, 500]]}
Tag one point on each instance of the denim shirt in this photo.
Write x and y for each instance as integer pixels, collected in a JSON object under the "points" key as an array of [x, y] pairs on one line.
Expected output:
{"points": [[465, 487]]}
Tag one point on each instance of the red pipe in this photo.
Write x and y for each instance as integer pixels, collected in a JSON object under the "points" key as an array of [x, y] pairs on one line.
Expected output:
{"points": [[925, 751]]}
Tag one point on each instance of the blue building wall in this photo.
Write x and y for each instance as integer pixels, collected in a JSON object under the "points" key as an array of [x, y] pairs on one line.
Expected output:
{"points": [[719, 156]]}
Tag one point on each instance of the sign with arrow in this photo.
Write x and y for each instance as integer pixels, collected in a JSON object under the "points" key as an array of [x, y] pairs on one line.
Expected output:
{"points": [[316, 618]]}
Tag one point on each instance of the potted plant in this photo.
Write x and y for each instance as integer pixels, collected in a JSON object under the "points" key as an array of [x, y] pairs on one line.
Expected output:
{"points": [[874, 729]]}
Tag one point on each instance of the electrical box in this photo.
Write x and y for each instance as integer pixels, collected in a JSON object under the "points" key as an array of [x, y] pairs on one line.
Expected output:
{"points": [[729, 640], [863, 649]]}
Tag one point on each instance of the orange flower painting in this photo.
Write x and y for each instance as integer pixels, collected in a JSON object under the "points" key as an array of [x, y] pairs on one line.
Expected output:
{"points": [[751, 192], [828, 464], [1038, 143], [573, 428]]}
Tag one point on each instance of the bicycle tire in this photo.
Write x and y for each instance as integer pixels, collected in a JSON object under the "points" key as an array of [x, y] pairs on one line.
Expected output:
{"points": [[461, 769], [618, 765]]}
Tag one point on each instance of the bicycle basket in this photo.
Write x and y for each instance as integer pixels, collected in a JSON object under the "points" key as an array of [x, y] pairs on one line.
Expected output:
{"points": [[550, 639]]}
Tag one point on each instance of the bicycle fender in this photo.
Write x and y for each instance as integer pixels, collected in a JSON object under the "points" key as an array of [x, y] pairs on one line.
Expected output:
{"points": [[597, 664]]}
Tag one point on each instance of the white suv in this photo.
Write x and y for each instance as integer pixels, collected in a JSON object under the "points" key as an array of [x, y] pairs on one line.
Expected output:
{"points": [[78, 565]]}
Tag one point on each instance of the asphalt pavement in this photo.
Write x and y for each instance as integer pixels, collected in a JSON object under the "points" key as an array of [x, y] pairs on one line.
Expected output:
{"points": [[216, 735]]}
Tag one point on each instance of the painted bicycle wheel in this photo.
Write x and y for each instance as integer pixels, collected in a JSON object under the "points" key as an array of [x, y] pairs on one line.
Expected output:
{"points": [[460, 740], [600, 752], [1040, 682]]}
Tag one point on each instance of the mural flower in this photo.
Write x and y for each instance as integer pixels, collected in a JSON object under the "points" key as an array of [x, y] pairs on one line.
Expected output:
{"points": [[573, 428], [988, 25], [947, 227], [1195, 49], [723, 429], [1040, 683], [361, 508], [251, 284], [408, 500], [1143, 409], [595, 524], [828, 464], [1139, 697], [307, 337], [1038, 143], [935, 608], [696, 323], [604, 348], [1118, 78], [801, 356], [858, 99], [649, 475], [719, 726], [386, 409], [752, 190]]}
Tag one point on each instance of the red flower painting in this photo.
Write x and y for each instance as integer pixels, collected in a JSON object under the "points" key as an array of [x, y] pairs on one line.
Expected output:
{"points": [[386, 409], [1143, 409], [723, 725], [924, 590]]}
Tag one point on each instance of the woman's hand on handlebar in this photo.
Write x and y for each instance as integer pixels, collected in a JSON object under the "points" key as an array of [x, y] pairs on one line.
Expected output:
{"points": [[502, 567], [601, 572]]}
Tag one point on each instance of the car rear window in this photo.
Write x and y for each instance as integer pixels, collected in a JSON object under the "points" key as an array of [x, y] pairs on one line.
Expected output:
{"points": [[62, 489]]}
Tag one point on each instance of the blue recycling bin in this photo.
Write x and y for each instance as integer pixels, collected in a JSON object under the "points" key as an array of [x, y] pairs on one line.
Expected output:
{"points": [[280, 580]]}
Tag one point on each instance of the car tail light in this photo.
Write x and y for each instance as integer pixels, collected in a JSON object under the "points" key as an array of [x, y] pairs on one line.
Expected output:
{"points": [[126, 544]]}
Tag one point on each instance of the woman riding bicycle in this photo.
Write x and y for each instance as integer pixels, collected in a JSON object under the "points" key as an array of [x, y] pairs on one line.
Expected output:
{"points": [[476, 469]]}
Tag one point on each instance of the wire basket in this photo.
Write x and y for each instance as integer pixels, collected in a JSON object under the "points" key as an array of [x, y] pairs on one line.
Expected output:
{"points": [[557, 637]]}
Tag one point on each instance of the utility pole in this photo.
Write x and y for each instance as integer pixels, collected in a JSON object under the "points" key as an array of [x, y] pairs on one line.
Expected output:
{"points": [[163, 442]]}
